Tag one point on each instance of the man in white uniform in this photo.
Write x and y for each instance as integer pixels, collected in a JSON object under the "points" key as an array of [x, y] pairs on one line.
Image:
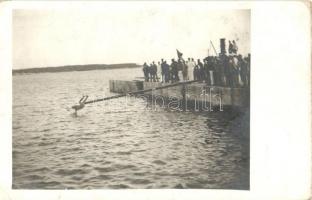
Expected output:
{"points": [[158, 75], [190, 67]]}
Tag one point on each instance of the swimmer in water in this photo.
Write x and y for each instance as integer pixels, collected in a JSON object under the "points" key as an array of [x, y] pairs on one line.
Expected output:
{"points": [[81, 105]]}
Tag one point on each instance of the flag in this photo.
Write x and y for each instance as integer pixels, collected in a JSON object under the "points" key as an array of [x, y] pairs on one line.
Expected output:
{"points": [[179, 54]]}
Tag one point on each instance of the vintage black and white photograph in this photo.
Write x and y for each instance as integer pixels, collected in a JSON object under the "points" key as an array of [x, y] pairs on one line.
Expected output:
{"points": [[136, 96]]}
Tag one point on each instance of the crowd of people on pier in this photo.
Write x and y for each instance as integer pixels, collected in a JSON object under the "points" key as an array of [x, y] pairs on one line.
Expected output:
{"points": [[224, 70]]}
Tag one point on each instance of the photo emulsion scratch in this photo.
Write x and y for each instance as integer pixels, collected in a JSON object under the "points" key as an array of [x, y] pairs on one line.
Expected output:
{"points": [[133, 97]]}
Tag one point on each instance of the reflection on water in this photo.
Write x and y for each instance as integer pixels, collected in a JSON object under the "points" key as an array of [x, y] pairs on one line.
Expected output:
{"points": [[112, 145]]}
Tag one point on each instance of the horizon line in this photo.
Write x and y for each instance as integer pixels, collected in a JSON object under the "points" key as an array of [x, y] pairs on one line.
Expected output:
{"points": [[72, 65]]}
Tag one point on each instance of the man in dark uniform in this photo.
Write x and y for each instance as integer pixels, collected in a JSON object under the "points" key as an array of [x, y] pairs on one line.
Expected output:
{"points": [[154, 71], [230, 47], [206, 70], [247, 61], [233, 72], [227, 71], [145, 71], [202, 75], [174, 71], [165, 71], [235, 48], [162, 70], [242, 65], [196, 73], [151, 73]]}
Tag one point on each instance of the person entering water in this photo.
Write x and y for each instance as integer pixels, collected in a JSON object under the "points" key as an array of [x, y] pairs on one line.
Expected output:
{"points": [[81, 105]]}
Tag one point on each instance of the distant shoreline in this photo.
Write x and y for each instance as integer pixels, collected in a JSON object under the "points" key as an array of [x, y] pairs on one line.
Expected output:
{"points": [[69, 68]]}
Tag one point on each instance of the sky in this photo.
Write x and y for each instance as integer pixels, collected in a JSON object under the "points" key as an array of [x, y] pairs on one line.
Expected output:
{"points": [[117, 33]]}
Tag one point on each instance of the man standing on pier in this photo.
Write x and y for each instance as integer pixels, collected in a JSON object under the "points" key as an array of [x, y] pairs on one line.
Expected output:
{"points": [[158, 70], [196, 73], [166, 71], [235, 48], [202, 74], [242, 65], [162, 67], [192, 64], [174, 71], [182, 68], [230, 47], [145, 71], [190, 68], [153, 71]]}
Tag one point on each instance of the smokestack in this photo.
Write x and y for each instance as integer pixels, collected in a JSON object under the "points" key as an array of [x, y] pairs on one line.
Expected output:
{"points": [[222, 46]]}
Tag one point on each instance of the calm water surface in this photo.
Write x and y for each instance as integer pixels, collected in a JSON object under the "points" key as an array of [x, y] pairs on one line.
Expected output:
{"points": [[119, 144]]}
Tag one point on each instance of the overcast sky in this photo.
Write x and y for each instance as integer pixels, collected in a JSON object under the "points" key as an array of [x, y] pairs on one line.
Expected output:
{"points": [[119, 34]]}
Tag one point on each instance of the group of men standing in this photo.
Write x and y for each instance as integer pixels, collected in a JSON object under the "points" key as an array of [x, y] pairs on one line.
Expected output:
{"points": [[232, 47], [224, 70], [150, 72], [232, 70], [169, 73]]}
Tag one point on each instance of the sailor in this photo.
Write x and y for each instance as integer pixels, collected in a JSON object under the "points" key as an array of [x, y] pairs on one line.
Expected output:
{"points": [[227, 71], [190, 67], [230, 47], [236, 71], [233, 79], [202, 76], [196, 73], [166, 71], [150, 72], [211, 69], [184, 70], [158, 70], [242, 65], [154, 66], [180, 66], [174, 71], [153, 71], [206, 70], [235, 48], [162, 67], [81, 104], [248, 69], [145, 71]]}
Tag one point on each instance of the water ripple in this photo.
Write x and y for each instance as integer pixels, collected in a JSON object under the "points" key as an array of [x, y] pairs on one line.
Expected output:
{"points": [[110, 145]]}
